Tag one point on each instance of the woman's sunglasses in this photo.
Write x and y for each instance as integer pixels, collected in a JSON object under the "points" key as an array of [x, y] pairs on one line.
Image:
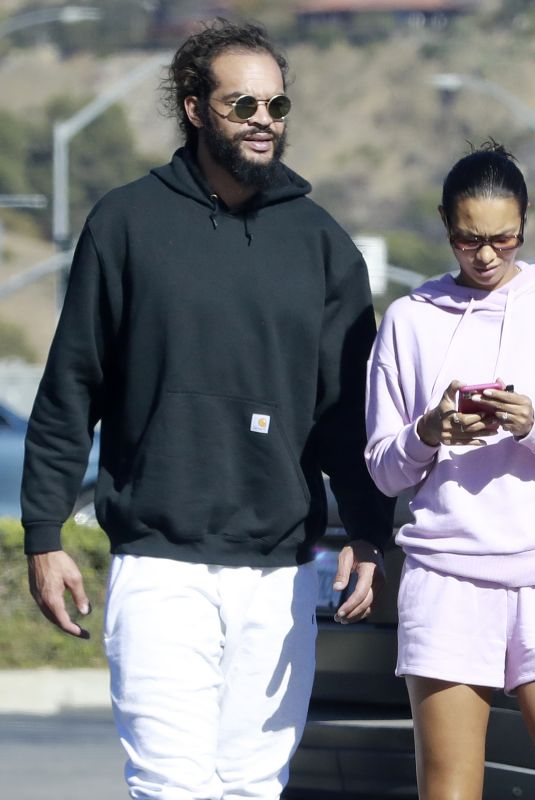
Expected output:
{"points": [[499, 244], [246, 106]]}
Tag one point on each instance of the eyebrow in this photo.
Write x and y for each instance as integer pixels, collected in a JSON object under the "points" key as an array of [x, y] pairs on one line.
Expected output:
{"points": [[234, 95], [465, 232]]}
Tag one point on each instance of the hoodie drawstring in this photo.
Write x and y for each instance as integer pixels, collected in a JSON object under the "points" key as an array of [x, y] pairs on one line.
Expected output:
{"points": [[248, 233], [505, 330], [214, 199], [215, 208], [438, 387]]}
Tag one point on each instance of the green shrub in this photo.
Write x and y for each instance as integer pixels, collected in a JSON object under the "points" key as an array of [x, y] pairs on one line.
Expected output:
{"points": [[14, 342], [27, 639], [413, 251]]}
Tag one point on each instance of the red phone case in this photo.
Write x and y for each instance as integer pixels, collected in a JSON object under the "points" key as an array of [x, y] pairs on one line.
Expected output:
{"points": [[465, 404]]}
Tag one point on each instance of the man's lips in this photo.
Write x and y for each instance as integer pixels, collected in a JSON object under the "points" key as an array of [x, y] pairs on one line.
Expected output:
{"points": [[259, 142], [259, 136]]}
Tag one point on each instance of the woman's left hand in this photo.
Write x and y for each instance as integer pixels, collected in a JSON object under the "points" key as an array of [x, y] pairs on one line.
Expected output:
{"points": [[513, 411]]}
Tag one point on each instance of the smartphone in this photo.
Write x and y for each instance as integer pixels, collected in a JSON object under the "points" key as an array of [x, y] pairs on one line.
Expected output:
{"points": [[465, 402]]}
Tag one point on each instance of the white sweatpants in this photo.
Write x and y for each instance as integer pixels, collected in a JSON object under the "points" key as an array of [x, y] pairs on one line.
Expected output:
{"points": [[211, 674]]}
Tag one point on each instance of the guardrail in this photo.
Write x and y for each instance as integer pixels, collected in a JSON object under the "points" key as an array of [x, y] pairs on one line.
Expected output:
{"points": [[51, 265]]}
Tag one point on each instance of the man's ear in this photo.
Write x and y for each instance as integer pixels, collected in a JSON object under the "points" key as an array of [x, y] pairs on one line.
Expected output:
{"points": [[443, 216], [191, 107]]}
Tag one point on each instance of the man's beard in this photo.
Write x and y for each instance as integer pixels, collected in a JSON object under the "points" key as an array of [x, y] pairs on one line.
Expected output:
{"points": [[226, 152]]}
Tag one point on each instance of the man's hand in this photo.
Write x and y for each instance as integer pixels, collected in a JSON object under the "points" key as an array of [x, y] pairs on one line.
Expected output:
{"points": [[50, 574], [366, 560]]}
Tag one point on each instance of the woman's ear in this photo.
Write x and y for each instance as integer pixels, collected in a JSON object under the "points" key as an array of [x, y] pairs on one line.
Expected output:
{"points": [[191, 107]]}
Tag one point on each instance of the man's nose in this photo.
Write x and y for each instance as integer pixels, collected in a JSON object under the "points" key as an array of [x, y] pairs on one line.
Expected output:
{"points": [[262, 116]]}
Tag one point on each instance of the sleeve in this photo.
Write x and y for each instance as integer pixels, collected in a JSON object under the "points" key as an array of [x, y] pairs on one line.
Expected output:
{"points": [[396, 456], [527, 441], [347, 336], [68, 403]]}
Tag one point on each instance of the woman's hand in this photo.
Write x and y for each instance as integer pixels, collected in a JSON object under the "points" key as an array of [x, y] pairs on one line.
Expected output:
{"points": [[445, 425], [513, 411]]}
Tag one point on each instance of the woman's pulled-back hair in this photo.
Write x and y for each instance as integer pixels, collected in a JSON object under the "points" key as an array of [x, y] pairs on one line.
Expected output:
{"points": [[190, 72], [488, 171]]}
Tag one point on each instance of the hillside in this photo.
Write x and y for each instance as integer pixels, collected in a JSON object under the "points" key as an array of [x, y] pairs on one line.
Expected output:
{"points": [[367, 127], [364, 118]]}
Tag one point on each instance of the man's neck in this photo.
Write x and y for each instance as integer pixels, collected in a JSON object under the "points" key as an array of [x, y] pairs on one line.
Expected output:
{"points": [[233, 193]]}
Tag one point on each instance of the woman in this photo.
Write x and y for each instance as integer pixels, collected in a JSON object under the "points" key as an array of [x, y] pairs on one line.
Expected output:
{"points": [[467, 593]]}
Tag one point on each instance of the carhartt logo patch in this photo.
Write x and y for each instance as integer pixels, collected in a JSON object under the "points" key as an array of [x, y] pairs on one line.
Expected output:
{"points": [[260, 423]]}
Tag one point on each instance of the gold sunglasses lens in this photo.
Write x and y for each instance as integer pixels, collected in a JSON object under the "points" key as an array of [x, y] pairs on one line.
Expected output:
{"points": [[245, 107], [279, 106]]}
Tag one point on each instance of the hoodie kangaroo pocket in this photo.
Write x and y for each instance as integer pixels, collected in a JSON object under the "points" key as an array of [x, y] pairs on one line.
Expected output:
{"points": [[218, 465]]}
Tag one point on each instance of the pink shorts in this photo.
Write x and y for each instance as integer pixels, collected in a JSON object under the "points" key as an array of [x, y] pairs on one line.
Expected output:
{"points": [[465, 631]]}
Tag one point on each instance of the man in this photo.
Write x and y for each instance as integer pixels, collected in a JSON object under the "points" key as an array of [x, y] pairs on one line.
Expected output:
{"points": [[218, 323]]}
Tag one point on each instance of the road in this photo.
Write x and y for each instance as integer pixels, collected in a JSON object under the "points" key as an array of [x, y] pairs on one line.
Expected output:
{"points": [[68, 756], [74, 756]]}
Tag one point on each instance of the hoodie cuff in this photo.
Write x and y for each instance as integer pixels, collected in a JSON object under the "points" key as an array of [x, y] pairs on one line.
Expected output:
{"points": [[528, 440], [42, 538], [415, 448]]}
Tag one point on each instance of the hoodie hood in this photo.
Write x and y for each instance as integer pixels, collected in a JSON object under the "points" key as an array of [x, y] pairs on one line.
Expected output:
{"points": [[184, 176], [445, 293]]}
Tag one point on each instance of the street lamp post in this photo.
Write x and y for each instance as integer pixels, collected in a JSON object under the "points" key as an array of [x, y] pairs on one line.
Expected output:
{"points": [[63, 133], [452, 82], [67, 15]]}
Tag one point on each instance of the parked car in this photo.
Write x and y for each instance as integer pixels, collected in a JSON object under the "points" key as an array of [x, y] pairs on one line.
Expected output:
{"points": [[12, 433], [358, 741]]}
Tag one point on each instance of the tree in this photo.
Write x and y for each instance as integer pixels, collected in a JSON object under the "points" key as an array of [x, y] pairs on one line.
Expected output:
{"points": [[102, 156], [14, 342], [13, 148]]}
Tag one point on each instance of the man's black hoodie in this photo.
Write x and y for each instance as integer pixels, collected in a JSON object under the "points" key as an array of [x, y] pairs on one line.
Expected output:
{"points": [[224, 353]]}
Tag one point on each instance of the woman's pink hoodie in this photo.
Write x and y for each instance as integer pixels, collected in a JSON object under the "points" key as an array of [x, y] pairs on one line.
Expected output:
{"points": [[473, 506]]}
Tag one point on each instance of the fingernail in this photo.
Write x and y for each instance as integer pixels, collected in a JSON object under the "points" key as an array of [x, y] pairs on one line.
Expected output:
{"points": [[85, 609], [486, 392], [340, 614], [338, 585]]}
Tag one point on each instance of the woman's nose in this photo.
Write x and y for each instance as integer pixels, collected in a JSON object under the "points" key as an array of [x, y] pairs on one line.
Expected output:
{"points": [[486, 253]]}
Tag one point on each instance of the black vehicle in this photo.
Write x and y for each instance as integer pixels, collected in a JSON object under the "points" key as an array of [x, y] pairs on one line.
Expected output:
{"points": [[358, 741]]}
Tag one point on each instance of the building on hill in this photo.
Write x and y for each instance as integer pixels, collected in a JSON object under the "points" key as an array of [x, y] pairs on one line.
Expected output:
{"points": [[314, 13], [172, 21]]}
